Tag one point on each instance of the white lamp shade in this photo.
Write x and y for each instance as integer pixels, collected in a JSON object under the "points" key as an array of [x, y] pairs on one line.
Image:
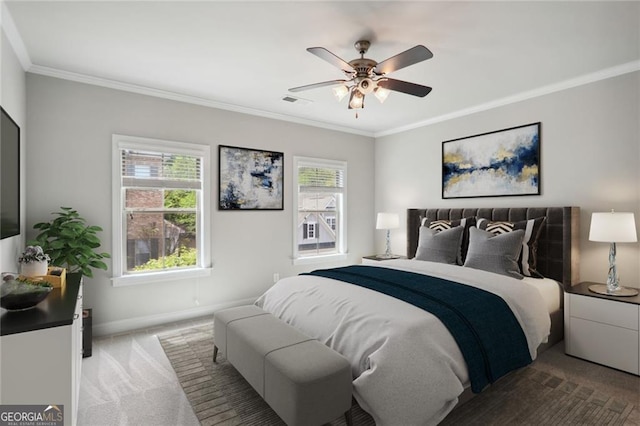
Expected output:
{"points": [[340, 92], [613, 227], [356, 100], [381, 94], [388, 221]]}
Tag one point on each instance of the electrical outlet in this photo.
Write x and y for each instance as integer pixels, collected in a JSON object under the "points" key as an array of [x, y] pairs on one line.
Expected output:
{"points": [[276, 277]]}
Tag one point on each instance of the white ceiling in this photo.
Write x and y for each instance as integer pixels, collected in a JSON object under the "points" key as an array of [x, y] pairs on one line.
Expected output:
{"points": [[245, 55]]}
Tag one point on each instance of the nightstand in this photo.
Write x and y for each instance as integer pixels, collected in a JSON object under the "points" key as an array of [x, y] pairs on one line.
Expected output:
{"points": [[602, 329], [380, 258]]}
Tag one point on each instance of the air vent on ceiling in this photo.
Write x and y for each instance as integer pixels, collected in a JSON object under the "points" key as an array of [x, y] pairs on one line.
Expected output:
{"points": [[295, 100]]}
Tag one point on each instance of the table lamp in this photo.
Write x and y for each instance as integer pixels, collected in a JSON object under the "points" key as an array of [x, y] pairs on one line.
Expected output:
{"points": [[388, 221], [613, 228]]}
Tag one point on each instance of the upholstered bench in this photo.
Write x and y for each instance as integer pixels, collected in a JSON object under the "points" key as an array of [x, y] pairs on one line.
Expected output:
{"points": [[302, 380]]}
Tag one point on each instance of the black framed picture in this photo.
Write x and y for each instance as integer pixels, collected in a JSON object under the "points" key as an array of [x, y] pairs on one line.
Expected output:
{"points": [[500, 163], [250, 179]]}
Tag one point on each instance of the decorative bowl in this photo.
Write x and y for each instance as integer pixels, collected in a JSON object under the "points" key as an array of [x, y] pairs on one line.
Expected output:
{"points": [[17, 294]]}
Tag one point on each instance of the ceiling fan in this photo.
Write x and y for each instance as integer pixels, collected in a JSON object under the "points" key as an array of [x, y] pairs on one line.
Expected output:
{"points": [[365, 76]]}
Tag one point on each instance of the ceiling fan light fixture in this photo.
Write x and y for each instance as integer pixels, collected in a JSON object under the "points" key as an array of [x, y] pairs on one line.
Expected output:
{"points": [[366, 86], [381, 93], [356, 100], [340, 92], [365, 76]]}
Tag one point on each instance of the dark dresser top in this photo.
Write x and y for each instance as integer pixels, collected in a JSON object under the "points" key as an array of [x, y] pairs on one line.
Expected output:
{"points": [[583, 289], [56, 310]]}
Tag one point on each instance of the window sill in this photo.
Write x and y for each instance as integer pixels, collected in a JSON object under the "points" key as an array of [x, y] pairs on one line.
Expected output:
{"points": [[319, 259], [154, 277]]}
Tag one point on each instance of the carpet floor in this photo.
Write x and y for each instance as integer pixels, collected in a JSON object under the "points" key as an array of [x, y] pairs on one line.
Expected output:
{"points": [[220, 396]]}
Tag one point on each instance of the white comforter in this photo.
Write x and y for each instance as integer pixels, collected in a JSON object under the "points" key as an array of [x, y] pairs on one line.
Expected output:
{"points": [[407, 367]]}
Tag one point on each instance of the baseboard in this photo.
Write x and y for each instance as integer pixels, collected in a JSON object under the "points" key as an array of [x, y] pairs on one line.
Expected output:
{"points": [[122, 326]]}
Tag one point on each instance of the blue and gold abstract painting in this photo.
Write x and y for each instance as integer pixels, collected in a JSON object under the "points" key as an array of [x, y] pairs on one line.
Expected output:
{"points": [[250, 179], [504, 162]]}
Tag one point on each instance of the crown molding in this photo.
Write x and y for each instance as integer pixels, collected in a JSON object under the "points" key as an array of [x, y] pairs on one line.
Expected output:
{"points": [[626, 68], [165, 94], [618, 70], [10, 29]]}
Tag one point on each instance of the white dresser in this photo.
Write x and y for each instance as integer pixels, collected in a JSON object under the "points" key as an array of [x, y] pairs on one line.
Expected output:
{"points": [[41, 352], [603, 329]]}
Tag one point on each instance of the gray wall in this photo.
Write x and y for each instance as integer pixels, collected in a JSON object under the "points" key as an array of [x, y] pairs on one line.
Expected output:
{"points": [[590, 148], [69, 162], [13, 100], [590, 159]]}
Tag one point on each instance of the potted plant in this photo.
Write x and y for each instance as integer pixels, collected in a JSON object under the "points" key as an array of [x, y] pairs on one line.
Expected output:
{"points": [[33, 261], [71, 243]]}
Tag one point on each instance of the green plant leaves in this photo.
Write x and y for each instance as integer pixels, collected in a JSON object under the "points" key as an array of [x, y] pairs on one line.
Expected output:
{"points": [[57, 244], [70, 243]]}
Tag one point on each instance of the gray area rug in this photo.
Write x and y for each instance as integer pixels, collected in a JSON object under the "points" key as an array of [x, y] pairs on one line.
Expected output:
{"points": [[220, 396]]}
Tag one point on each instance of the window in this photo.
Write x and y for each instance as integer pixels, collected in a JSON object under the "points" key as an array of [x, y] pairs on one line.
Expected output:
{"points": [[320, 203], [309, 230], [161, 209]]}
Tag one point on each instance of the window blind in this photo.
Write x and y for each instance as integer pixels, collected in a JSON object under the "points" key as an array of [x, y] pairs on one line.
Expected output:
{"points": [[160, 170], [320, 179]]}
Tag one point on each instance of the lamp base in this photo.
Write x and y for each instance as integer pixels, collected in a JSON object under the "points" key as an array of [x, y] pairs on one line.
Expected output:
{"points": [[387, 256], [622, 291]]}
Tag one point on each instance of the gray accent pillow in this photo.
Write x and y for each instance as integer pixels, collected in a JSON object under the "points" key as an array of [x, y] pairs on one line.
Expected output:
{"points": [[443, 224], [439, 246], [496, 253], [532, 229]]}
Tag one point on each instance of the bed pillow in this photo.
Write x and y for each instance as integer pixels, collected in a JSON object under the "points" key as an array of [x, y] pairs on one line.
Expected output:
{"points": [[496, 253], [439, 246], [532, 228], [441, 225]]}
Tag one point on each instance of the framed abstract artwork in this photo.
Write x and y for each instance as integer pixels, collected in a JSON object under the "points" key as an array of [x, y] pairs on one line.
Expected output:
{"points": [[250, 179], [500, 163]]}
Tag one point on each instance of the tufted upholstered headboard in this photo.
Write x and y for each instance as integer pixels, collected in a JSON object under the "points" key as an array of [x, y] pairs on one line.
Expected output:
{"points": [[557, 246]]}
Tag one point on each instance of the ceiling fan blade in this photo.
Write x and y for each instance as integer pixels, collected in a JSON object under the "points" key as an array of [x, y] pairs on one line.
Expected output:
{"points": [[404, 87], [412, 56], [316, 85], [323, 53]]}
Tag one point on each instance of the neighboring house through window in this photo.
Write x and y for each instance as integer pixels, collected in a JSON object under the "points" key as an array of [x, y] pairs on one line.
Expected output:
{"points": [[309, 230], [320, 208], [161, 208]]}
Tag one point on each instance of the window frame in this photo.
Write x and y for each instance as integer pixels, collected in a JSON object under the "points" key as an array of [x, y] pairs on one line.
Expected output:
{"points": [[119, 238], [341, 211]]}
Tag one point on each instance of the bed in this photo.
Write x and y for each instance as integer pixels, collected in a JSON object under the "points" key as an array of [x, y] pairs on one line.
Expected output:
{"points": [[408, 367], [557, 251]]}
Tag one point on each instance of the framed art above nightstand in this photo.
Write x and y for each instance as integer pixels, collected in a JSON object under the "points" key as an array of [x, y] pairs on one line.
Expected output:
{"points": [[602, 329]]}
